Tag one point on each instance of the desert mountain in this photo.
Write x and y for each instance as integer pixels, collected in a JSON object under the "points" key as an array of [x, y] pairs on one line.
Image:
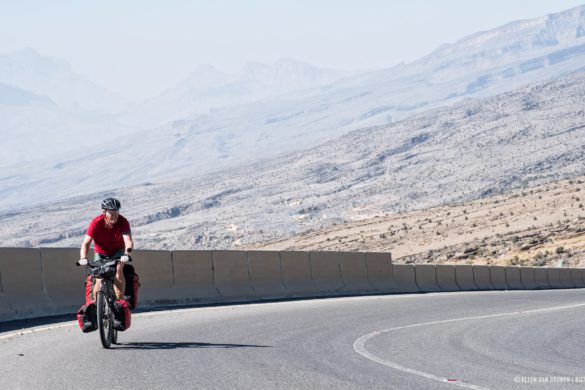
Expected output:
{"points": [[472, 150], [207, 88], [225, 137], [42, 75]]}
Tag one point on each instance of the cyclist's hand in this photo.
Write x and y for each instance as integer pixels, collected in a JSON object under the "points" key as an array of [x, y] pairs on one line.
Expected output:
{"points": [[124, 259], [82, 261]]}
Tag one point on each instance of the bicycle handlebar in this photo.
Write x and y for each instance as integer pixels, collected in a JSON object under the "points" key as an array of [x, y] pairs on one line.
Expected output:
{"points": [[104, 261]]}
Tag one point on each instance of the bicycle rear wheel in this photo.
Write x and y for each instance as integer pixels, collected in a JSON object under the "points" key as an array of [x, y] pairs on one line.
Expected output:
{"points": [[105, 320]]}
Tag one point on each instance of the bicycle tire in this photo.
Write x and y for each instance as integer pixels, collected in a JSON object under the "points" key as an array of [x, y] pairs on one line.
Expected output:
{"points": [[104, 319]]}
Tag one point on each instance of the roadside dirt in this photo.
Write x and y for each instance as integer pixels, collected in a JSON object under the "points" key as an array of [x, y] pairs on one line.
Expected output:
{"points": [[537, 226]]}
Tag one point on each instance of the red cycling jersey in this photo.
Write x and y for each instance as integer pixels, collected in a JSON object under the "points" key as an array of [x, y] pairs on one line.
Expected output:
{"points": [[108, 240]]}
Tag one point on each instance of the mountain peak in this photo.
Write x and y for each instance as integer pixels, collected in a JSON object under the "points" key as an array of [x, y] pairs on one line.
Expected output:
{"points": [[27, 51], [206, 67], [527, 35], [204, 76], [291, 61], [36, 60]]}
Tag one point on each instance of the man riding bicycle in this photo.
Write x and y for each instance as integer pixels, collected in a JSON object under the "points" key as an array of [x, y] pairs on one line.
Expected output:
{"points": [[112, 237]]}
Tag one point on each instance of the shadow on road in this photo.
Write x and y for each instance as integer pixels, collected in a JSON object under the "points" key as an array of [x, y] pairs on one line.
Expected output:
{"points": [[170, 345]]}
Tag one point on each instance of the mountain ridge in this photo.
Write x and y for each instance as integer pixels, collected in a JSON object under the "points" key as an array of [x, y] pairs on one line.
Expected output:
{"points": [[29, 70]]}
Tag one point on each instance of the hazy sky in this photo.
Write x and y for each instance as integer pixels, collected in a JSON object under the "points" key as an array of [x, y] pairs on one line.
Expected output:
{"points": [[137, 48]]}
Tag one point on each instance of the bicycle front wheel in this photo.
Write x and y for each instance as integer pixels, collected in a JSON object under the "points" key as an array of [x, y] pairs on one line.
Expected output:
{"points": [[104, 320]]}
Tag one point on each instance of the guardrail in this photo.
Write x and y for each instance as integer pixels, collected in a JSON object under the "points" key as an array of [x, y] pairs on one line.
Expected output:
{"points": [[43, 282]]}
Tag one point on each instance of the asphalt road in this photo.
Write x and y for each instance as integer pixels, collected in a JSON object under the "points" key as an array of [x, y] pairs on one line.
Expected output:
{"points": [[497, 340]]}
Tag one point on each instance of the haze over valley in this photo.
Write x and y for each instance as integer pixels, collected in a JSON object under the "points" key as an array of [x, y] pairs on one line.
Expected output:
{"points": [[265, 155]]}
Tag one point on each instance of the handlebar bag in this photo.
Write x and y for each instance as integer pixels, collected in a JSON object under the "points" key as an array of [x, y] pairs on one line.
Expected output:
{"points": [[103, 271]]}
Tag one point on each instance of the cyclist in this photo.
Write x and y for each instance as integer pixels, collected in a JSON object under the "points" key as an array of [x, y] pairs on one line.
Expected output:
{"points": [[112, 237]]}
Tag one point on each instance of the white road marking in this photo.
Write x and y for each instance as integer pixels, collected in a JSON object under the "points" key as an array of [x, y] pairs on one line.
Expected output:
{"points": [[360, 344]]}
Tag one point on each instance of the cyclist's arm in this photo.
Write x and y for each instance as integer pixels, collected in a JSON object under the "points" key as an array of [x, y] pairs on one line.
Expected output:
{"points": [[128, 243], [85, 247]]}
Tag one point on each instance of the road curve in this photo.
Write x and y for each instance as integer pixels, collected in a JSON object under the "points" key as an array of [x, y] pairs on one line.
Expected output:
{"points": [[478, 340]]}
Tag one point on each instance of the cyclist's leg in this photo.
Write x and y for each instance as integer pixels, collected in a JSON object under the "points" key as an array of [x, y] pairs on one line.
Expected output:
{"points": [[98, 282], [119, 280]]}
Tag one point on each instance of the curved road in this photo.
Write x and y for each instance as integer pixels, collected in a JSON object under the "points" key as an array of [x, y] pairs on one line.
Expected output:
{"points": [[478, 340]]}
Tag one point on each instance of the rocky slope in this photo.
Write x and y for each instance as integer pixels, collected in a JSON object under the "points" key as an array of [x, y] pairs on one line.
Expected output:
{"points": [[470, 151], [537, 226]]}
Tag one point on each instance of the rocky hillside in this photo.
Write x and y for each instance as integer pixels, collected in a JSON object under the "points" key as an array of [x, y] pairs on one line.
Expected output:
{"points": [[473, 150], [537, 226]]}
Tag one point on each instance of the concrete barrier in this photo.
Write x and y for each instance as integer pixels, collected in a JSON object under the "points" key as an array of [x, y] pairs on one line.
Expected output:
{"points": [[465, 278], [565, 277], [577, 274], [193, 277], [43, 282], [231, 275], [21, 285], [498, 277], [266, 275], [426, 277], [446, 277], [576, 277], [354, 274], [541, 278], [380, 273], [554, 277], [513, 278], [64, 281], [482, 277], [6, 312], [527, 278], [296, 274], [325, 272], [155, 270], [404, 277]]}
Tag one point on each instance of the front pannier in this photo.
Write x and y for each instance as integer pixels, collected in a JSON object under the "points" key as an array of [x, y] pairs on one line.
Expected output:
{"points": [[132, 285], [87, 317], [122, 315]]}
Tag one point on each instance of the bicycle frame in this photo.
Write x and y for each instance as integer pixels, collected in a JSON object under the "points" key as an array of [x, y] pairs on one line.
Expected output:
{"points": [[105, 307], [105, 270]]}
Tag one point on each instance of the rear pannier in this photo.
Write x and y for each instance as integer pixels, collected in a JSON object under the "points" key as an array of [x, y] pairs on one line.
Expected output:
{"points": [[89, 289]]}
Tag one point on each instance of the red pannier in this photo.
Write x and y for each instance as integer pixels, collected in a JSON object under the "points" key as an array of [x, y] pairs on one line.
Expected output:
{"points": [[132, 285], [87, 313], [122, 315], [87, 317], [88, 289]]}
